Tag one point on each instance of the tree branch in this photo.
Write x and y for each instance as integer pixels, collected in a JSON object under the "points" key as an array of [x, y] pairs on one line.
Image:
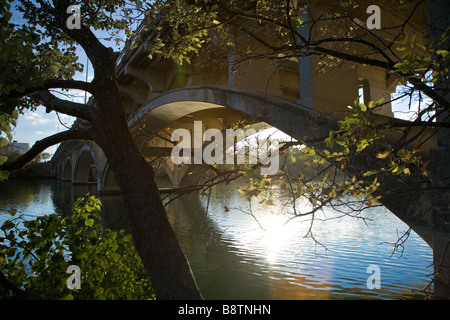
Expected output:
{"points": [[74, 109], [389, 66], [19, 293], [352, 58], [430, 92], [357, 41], [41, 145], [53, 84], [97, 53], [410, 124]]}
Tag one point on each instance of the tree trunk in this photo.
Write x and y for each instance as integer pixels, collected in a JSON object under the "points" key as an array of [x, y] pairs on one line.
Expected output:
{"points": [[153, 235]]}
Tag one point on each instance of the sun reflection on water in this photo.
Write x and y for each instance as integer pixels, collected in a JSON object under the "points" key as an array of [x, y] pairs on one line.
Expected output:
{"points": [[332, 264]]}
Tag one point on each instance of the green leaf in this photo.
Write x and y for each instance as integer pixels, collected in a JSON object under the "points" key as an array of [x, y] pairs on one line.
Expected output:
{"points": [[242, 191], [7, 225], [363, 107], [443, 53], [54, 69], [89, 222], [373, 202], [383, 155], [3, 159], [248, 172], [370, 173], [3, 142], [99, 275], [293, 159], [115, 256], [379, 101]]}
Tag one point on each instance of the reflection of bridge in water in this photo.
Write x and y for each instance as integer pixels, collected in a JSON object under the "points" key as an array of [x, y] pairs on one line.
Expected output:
{"points": [[160, 96]]}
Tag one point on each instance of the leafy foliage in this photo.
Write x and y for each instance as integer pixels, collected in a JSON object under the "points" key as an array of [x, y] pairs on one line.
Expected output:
{"points": [[337, 34], [34, 48], [363, 129], [7, 121], [35, 254], [323, 178], [183, 28]]}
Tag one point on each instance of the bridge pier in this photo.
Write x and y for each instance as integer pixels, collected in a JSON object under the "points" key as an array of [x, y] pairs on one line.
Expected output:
{"points": [[440, 196], [175, 172], [439, 11]]}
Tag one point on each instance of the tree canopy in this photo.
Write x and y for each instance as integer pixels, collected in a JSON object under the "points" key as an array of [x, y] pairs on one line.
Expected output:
{"points": [[39, 54]]}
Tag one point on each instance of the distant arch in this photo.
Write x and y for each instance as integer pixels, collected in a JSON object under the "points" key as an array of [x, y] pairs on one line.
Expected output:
{"points": [[67, 170], [59, 170], [87, 166], [108, 180]]}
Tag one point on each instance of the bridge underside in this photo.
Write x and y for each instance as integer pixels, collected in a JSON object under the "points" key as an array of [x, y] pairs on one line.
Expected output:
{"points": [[216, 107]]}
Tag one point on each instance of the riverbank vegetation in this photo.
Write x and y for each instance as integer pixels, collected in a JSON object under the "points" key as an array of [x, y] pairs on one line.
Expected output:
{"points": [[35, 256]]}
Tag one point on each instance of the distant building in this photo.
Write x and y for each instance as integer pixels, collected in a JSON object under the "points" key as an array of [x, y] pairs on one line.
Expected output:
{"points": [[17, 147]]}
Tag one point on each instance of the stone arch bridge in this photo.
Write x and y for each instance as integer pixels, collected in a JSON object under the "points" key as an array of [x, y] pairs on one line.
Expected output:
{"points": [[160, 96], [216, 106], [83, 162]]}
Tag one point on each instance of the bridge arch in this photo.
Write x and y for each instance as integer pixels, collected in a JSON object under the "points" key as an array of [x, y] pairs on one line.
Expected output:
{"points": [[297, 121], [59, 170], [87, 166], [67, 169], [293, 119], [108, 181]]}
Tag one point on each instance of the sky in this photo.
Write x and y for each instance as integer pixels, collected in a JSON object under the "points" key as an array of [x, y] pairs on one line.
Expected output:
{"points": [[36, 125]]}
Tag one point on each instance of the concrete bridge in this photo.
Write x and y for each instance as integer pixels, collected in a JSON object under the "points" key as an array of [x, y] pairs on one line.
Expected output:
{"points": [[160, 96]]}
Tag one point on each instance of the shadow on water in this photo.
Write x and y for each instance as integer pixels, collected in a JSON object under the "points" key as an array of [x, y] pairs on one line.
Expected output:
{"points": [[233, 258]]}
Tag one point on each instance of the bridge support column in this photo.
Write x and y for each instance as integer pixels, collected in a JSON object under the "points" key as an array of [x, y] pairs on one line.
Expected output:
{"points": [[175, 172], [440, 162], [439, 11]]}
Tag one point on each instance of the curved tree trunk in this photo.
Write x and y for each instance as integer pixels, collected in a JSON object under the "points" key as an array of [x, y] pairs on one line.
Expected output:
{"points": [[153, 235]]}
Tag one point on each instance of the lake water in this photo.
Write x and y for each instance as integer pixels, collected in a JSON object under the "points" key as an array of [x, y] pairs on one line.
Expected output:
{"points": [[235, 255]]}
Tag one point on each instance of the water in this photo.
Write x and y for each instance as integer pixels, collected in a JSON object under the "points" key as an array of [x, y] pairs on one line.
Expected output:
{"points": [[235, 255]]}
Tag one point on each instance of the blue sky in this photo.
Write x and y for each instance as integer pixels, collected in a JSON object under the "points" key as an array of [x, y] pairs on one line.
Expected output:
{"points": [[36, 125]]}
